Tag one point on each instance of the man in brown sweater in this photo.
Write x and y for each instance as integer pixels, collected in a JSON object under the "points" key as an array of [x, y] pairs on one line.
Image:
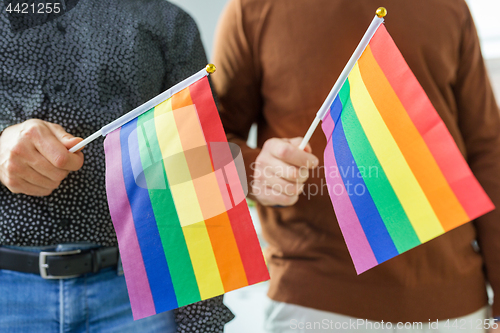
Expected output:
{"points": [[277, 61]]}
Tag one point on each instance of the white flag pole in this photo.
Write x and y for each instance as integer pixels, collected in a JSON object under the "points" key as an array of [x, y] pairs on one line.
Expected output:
{"points": [[376, 22], [209, 69]]}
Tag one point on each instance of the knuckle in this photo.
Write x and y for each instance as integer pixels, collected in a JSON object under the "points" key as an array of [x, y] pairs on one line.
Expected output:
{"points": [[61, 160], [57, 127], [12, 168], [282, 152], [16, 151], [259, 160], [269, 144], [12, 185], [30, 130]]}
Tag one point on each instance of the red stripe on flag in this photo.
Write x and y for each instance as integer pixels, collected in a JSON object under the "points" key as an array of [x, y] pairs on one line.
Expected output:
{"points": [[241, 222], [425, 117]]}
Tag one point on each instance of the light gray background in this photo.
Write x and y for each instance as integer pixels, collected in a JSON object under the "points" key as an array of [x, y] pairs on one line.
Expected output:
{"points": [[206, 14]]}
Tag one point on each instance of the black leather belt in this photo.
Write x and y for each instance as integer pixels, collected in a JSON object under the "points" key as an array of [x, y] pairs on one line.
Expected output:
{"points": [[58, 265]]}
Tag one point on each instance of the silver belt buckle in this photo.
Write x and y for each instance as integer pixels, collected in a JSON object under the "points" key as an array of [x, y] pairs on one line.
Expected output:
{"points": [[44, 266]]}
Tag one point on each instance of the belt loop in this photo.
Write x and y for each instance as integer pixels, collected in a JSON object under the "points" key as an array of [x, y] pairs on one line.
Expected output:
{"points": [[96, 260]]}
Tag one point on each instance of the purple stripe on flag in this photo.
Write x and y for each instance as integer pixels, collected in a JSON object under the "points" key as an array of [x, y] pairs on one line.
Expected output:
{"points": [[327, 125], [133, 265], [357, 243]]}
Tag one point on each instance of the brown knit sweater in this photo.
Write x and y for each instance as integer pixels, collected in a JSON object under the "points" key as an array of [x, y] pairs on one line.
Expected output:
{"points": [[277, 61]]}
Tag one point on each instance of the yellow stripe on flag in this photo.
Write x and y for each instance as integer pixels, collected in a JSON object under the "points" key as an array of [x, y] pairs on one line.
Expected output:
{"points": [[203, 260], [186, 204], [402, 179], [176, 167]]}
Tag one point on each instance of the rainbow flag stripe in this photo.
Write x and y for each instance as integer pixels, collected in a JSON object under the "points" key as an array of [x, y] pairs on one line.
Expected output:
{"points": [[181, 218], [394, 173]]}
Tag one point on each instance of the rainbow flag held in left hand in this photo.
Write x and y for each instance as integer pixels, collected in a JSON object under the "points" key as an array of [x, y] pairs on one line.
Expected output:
{"points": [[395, 175], [177, 204]]}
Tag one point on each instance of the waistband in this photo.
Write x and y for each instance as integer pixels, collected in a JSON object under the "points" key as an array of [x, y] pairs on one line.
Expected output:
{"points": [[60, 261]]}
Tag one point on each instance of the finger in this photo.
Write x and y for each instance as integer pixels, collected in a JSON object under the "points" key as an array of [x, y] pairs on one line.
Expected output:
{"points": [[50, 147], [18, 185], [27, 163], [276, 197], [35, 178], [32, 158], [297, 141], [282, 186], [70, 143], [277, 168], [46, 169], [291, 154], [60, 133]]}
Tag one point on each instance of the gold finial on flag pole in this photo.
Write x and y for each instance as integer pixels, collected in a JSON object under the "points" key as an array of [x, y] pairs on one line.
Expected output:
{"points": [[210, 68], [376, 22], [381, 12]]}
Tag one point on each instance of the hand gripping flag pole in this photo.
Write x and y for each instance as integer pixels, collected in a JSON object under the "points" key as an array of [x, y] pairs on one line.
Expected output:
{"points": [[209, 69], [376, 22], [177, 202]]}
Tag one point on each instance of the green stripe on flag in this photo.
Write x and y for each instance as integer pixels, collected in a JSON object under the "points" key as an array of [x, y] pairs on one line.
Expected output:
{"points": [[390, 209], [169, 227]]}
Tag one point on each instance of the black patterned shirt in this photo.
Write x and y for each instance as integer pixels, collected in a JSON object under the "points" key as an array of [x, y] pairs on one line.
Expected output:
{"points": [[82, 70]]}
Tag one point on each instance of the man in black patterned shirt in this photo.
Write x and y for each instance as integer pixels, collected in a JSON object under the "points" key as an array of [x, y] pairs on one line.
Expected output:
{"points": [[61, 77]]}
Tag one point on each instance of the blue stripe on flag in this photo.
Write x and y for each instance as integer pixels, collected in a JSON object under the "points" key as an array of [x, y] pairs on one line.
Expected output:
{"points": [[146, 228], [375, 230]]}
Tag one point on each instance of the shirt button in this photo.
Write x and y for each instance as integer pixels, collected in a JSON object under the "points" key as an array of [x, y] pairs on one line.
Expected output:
{"points": [[61, 27]]}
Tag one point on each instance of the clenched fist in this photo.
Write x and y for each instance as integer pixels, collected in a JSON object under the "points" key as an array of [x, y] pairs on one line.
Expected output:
{"points": [[34, 157], [280, 171]]}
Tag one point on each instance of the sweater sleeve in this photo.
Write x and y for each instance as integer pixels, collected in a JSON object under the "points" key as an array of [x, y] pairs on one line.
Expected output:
{"points": [[236, 81], [479, 122]]}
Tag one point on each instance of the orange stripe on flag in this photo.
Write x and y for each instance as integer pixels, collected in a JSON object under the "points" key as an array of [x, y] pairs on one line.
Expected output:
{"points": [[414, 149], [226, 252], [210, 198], [181, 99]]}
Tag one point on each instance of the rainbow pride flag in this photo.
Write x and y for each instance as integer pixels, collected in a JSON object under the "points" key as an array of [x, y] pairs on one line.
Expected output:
{"points": [[178, 206], [394, 173]]}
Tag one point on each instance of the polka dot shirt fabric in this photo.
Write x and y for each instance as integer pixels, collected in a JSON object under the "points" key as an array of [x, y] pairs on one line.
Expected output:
{"points": [[82, 70], [204, 317]]}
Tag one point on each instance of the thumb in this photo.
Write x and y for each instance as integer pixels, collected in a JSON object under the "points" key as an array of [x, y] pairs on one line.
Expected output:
{"points": [[297, 141], [64, 137], [71, 142]]}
